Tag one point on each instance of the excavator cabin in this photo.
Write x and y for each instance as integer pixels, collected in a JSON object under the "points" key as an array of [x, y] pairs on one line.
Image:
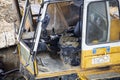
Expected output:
{"points": [[63, 37]]}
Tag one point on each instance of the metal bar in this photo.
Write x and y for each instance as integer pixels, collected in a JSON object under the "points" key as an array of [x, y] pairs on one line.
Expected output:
{"points": [[56, 1], [23, 20], [39, 27]]}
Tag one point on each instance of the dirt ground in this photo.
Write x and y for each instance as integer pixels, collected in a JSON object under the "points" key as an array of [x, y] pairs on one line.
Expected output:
{"points": [[9, 58], [7, 12], [7, 16], [10, 61]]}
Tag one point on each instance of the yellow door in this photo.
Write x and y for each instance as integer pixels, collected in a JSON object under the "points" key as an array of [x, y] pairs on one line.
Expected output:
{"points": [[101, 34]]}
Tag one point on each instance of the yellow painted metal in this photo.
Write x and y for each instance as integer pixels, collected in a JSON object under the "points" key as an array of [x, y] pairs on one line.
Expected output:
{"points": [[27, 67], [36, 67], [114, 56], [60, 73], [97, 71], [115, 30], [82, 76], [82, 73], [22, 61], [88, 55]]}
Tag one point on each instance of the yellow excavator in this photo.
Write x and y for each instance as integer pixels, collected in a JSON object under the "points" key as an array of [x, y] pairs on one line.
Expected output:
{"points": [[70, 40]]}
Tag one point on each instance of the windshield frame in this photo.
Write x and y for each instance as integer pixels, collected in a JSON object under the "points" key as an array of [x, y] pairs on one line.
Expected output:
{"points": [[90, 47], [107, 19]]}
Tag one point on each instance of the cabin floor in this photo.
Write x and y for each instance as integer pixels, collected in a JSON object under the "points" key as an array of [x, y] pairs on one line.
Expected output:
{"points": [[52, 63]]}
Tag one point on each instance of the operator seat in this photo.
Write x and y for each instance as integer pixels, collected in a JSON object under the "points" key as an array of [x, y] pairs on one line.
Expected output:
{"points": [[70, 45], [78, 29], [75, 31]]}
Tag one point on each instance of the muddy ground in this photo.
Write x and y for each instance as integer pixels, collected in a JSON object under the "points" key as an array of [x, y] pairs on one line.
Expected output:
{"points": [[9, 58], [10, 61]]}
